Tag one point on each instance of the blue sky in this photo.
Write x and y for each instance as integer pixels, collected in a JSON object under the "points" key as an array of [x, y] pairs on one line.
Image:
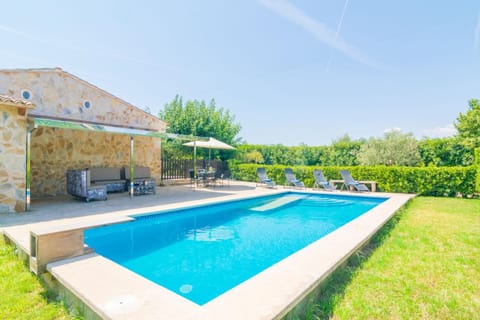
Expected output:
{"points": [[290, 71]]}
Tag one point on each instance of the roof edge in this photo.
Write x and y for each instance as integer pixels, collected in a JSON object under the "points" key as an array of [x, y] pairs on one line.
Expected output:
{"points": [[14, 102], [60, 70]]}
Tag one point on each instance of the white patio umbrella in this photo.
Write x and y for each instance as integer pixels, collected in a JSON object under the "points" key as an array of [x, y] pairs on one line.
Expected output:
{"points": [[212, 143]]}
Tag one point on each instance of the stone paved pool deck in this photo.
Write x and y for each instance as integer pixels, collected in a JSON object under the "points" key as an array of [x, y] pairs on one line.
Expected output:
{"points": [[114, 292]]}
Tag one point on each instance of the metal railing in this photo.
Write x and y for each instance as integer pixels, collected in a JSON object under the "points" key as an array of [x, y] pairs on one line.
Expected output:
{"points": [[179, 168]]}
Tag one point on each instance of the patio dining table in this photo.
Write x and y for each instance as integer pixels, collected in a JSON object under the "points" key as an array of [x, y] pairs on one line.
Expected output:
{"points": [[207, 177]]}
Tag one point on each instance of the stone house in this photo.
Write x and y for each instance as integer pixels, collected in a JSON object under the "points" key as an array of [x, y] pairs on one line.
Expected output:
{"points": [[40, 110]]}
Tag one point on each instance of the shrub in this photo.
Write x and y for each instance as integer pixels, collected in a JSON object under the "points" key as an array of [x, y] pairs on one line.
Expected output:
{"points": [[477, 165], [434, 181], [254, 156]]}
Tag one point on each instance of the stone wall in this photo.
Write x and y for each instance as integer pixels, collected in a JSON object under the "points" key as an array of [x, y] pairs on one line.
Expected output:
{"points": [[55, 150], [12, 160], [59, 94]]}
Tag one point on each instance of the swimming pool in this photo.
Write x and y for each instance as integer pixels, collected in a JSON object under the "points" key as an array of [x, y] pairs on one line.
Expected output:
{"points": [[200, 253]]}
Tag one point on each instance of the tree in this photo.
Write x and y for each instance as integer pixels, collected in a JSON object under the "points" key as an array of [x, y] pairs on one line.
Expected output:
{"points": [[468, 124], [199, 119], [254, 156], [395, 148], [445, 152], [343, 152]]}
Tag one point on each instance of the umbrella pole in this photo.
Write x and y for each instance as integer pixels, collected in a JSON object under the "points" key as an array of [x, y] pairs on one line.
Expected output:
{"points": [[209, 157], [195, 163]]}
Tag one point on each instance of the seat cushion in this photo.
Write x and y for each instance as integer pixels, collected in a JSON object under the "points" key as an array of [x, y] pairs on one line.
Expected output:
{"points": [[105, 182], [105, 174], [140, 172]]}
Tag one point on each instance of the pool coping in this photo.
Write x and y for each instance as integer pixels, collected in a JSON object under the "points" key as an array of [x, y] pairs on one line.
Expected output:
{"points": [[115, 292]]}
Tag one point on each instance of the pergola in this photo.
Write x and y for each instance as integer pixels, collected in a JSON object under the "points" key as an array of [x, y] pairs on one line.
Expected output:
{"points": [[39, 121]]}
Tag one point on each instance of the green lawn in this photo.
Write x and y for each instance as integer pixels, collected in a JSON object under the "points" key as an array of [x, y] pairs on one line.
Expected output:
{"points": [[21, 293], [425, 264]]}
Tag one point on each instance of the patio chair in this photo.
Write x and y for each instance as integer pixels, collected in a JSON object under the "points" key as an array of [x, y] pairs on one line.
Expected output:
{"points": [[321, 181], [292, 180], [211, 179], [195, 179], [263, 178], [224, 178], [352, 183]]}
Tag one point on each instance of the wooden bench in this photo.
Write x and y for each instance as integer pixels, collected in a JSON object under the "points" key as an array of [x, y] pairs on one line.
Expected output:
{"points": [[373, 184]]}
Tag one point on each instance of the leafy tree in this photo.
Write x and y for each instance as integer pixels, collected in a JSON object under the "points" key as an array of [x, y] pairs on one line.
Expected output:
{"points": [[445, 152], [199, 119], [343, 152], [254, 156], [311, 156], [468, 124], [395, 148]]}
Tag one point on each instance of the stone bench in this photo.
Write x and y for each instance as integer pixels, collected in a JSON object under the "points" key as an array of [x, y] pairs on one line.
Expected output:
{"points": [[61, 242]]}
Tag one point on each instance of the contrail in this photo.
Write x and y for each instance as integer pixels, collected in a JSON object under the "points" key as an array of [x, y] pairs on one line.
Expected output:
{"points": [[316, 28], [341, 18], [339, 26]]}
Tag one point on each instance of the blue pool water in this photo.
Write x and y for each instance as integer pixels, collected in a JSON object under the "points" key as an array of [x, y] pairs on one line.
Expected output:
{"points": [[199, 253]]}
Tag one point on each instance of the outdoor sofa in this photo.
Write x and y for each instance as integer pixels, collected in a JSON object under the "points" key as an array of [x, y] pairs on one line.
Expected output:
{"points": [[94, 183], [111, 177], [78, 185], [143, 182]]}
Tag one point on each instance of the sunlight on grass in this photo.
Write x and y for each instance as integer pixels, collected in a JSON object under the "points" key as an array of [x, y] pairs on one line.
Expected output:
{"points": [[425, 265], [22, 295]]}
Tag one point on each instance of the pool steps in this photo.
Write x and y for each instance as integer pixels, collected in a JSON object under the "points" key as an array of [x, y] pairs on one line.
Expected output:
{"points": [[277, 203]]}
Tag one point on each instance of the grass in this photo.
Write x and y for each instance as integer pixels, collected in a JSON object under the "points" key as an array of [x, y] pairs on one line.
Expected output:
{"points": [[424, 264], [22, 296]]}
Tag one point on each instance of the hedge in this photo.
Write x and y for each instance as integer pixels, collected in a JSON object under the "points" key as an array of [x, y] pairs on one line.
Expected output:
{"points": [[477, 165], [434, 181]]}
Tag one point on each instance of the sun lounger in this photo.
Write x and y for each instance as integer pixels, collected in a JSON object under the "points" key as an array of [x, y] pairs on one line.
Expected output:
{"points": [[263, 178], [292, 180], [350, 182], [321, 181]]}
